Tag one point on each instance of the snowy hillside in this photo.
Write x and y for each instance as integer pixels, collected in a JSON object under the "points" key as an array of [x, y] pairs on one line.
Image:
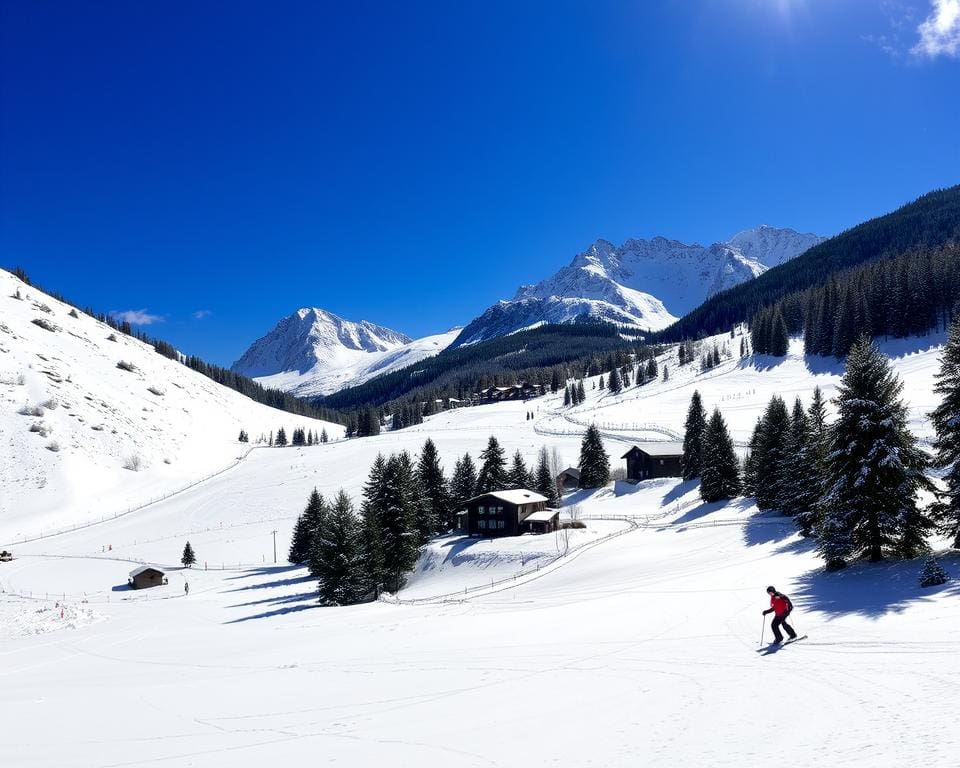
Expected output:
{"points": [[635, 643], [93, 421], [314, 352], [642, 283]]}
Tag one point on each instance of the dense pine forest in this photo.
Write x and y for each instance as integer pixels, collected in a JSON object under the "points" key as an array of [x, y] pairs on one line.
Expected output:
{"points": [[929, 222], [548, 356]]}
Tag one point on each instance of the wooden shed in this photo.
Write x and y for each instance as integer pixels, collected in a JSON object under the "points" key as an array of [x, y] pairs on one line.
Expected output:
{"points": [[502, 513], [146, 576], [646, 460], [545, 521]]}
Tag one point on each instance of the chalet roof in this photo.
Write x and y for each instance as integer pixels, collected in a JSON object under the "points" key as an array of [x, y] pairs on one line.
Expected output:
{"points": [[541, 516], [143, 569], [519, 496], [572, 471], [658, 449]]}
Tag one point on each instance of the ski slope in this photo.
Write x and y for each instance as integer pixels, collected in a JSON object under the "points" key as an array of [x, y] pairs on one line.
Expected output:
{"points": [[633, 642]]}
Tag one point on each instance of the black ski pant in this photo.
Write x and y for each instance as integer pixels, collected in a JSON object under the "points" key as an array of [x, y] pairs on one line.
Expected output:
{"points": [[781, 621]]}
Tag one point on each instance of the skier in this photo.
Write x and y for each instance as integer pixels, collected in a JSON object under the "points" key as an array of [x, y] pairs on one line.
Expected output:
{"points": [[780, 607], [186, 590]]}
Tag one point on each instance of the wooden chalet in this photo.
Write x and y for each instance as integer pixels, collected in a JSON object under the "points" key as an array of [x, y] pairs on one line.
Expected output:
{"points": [[146, 576], [568, 480], [646, 460], [522, 391], [510, 513]]}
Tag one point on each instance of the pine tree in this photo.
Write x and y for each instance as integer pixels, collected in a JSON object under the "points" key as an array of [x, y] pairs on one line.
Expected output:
{"points": [[281, 439], [371, 535], [518, 476], [463, 484], [694, 429], [719, 475], [594, 461], [397, 518], [581, 392], [770, 456], [651, 372], [433, 485], [324, 437], [338, 556], [946, 421], [932, 574], [874, 468], [666, 373], [803, 486], [188, 558], [616, 382], [681, 355], [545, 483], [779, 338], [300, 541], [566, 399], [601, 383], [493, 470]]}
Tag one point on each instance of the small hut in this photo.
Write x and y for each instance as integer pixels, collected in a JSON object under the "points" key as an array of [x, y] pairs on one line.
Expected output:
{"points": [[146, 576], [646, 460], [569, 479]]}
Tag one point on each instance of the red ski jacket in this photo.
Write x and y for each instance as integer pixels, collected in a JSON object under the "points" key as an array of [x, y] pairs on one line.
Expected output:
{"points": [[780, 604]]}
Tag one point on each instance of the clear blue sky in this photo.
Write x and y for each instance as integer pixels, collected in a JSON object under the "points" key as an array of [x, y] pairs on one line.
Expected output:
{"points": [[410, 163]]}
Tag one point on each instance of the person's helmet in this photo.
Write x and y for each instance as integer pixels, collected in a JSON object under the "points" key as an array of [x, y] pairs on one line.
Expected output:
{"points": [[771, 590]]}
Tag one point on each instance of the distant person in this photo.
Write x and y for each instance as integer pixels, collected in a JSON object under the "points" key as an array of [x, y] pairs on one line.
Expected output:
{"points": [[186, 590], [780, 607]]}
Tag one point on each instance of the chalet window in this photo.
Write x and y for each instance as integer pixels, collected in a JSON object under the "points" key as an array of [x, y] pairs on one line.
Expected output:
{"points": [[499, 523], [661, 462], [482, 524], [481, 510]]}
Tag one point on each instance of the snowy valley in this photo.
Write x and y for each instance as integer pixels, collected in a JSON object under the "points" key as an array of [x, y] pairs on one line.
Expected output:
{"points": [[633, 641]]}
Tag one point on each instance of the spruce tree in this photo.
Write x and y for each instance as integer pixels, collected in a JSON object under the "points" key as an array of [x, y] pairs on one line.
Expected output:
{"points": [[779, 338], [463, 484], [324, 437], [493, 470], [338, 556], [720, 471], [651, 372], [770, 456], [874, 468], [581, 392], [281, 438], [371, 535], [397, 519], [601, 384], [433, 485], [545, 483], [300, 541], [566, 399], [694, 429], [946, 422], [616, 381], [424, 520], [594, 461], [188, 558], [518, 476]]}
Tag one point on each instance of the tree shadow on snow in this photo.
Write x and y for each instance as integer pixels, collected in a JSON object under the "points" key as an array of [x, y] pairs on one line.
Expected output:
{"points": [[872, 589], [279, 600], [771, 528], [678, 490], [277, 612], [266, 570], [277, 583]]}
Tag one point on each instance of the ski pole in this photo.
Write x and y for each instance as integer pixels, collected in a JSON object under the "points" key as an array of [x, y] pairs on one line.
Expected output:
{"points": [[763, 627]]}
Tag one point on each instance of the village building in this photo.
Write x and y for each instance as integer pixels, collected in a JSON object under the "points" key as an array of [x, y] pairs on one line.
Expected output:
{"points": [[568, 480], [522, 391], [646, 460], [146, 576], [510, 513]]}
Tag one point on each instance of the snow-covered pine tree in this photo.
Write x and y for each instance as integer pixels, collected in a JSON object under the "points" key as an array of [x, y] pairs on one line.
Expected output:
{"points": [[616, 381], [946, 421], [720, 469], [694, 429], [651, 372], [300, 541], [397, 518], [601, 382], [338, 556], [281, 438], [801, 491], [874, 468], [188, 558], [324, 437], [581, 392], [770, 456], [806, 499], [545, 483], [567, 400], [424, 522], [433, 485], [594, 461], [932, 574], [625, 375], [779, 338], [372, 543], [493, 470], [463, 484], [518, 476]]}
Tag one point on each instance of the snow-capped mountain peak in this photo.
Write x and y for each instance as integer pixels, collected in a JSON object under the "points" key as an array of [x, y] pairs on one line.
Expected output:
{"points": [[642, 283], [314, 352]]}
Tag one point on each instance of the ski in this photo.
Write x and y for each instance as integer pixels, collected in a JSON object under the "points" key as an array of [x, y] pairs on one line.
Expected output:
{"points": [[795, 639]]}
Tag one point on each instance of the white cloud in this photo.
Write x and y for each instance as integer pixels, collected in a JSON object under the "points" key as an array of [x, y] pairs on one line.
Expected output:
{"points": [[202, 313], [940, 31], [137, 317]]}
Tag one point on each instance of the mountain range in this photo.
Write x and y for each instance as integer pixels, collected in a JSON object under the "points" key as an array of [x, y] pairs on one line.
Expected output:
{"points": [[642, 284]]}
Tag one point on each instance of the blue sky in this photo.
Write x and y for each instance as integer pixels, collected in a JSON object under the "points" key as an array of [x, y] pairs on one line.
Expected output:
{"points": [[216, 165]]}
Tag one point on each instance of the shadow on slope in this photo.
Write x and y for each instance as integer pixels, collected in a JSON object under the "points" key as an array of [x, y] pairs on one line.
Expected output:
{"points": [[872, 589]]}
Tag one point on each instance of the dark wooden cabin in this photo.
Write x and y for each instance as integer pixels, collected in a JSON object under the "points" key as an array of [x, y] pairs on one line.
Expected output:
{"points": [[569, 479], [646, 460], [146, 576], [502, 513]]}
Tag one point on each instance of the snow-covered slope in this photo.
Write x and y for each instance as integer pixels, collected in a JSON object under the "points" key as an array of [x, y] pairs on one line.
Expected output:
{"points": [[314, 352], [71, 419], [642, 283]]}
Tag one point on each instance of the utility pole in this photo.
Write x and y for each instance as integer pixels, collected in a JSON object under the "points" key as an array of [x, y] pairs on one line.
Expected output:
{"points": [[274, 546]]}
